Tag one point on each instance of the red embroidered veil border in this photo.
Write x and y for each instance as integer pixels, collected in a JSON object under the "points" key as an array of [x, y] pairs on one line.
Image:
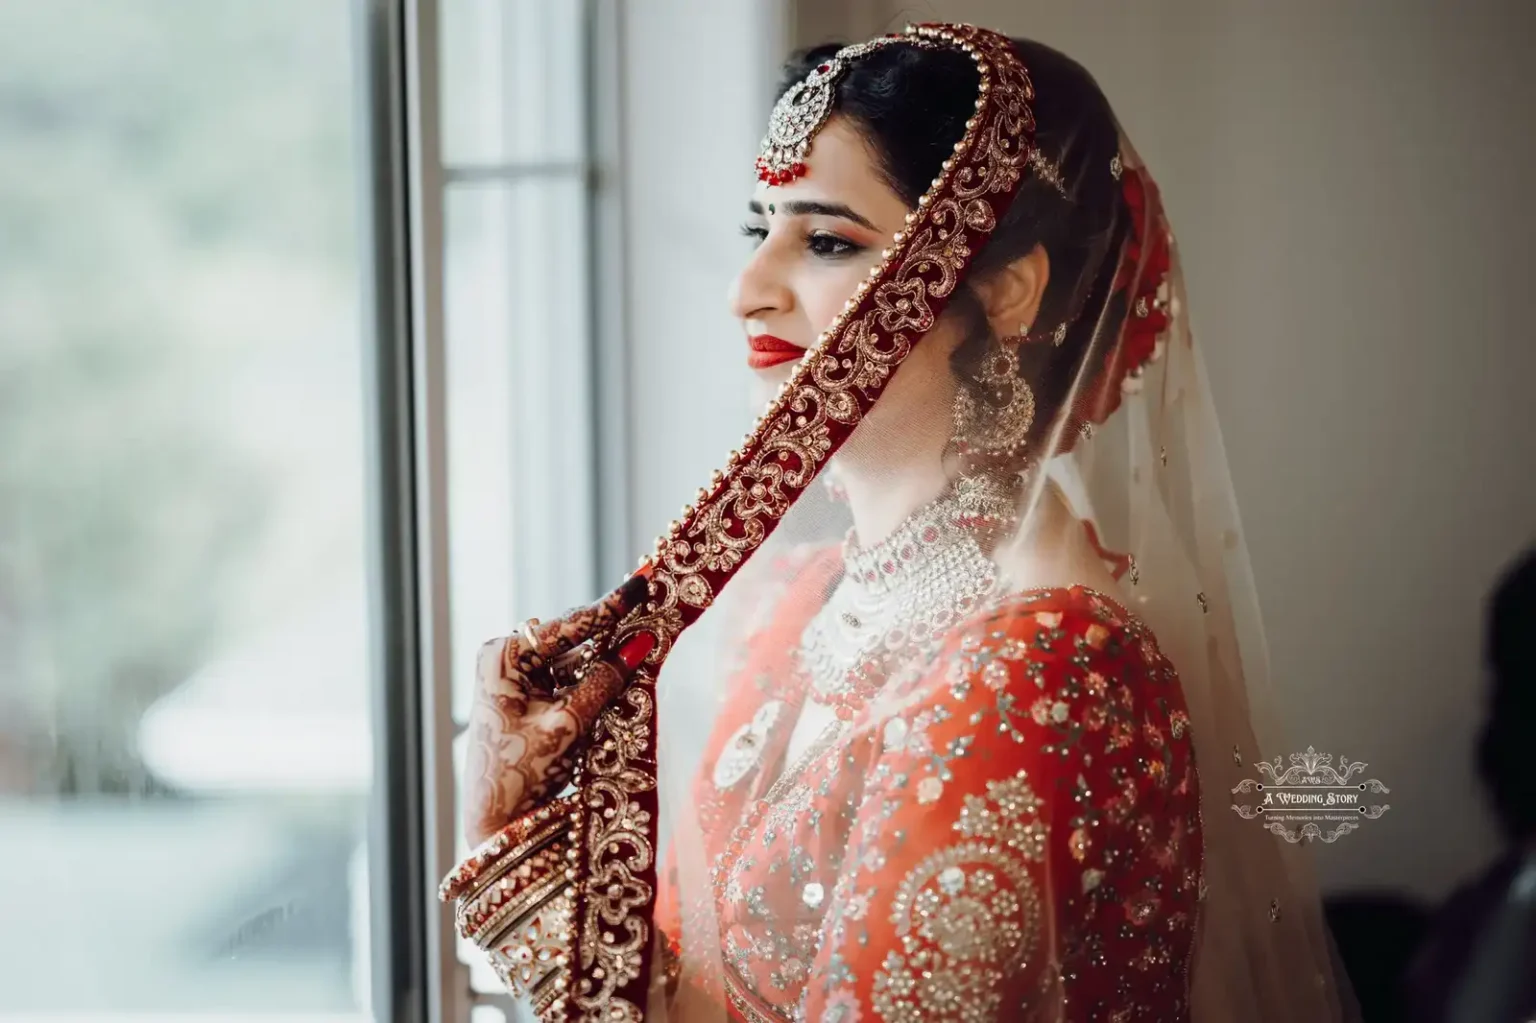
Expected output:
{"points": [[1135, 455]]}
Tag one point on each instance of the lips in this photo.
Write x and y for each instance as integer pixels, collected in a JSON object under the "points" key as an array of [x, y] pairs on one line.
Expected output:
{"points": [[767, 350]]}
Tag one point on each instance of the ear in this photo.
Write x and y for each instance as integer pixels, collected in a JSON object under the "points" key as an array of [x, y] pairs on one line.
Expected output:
{"points": [[1011, 295]]}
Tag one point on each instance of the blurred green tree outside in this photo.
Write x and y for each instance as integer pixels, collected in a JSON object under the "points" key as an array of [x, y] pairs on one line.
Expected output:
{"points": [[178, 350]]}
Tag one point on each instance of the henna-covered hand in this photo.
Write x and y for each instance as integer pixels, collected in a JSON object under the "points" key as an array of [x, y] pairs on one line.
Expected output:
{"points": [[522, 729]]}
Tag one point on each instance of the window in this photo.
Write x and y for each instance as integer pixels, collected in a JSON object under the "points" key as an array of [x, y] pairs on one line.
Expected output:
{"points": [[513, 188], [185, 750], [516, 214], [298, 391]]}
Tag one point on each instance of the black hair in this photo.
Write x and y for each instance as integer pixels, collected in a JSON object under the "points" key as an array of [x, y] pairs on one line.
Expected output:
{"points": [[1504, 748], [911, 105]]}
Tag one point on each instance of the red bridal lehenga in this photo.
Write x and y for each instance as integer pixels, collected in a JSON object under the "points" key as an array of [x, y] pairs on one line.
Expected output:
{"points": [[900, 781]]}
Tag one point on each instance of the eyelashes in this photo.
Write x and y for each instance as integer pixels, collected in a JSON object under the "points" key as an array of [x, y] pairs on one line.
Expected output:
{"points": [[821, 244], [831, 246]]}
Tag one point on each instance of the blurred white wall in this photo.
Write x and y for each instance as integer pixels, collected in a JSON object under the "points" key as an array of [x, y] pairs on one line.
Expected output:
{"points": [[697, 85], [1346, 181], [1347, 184]]}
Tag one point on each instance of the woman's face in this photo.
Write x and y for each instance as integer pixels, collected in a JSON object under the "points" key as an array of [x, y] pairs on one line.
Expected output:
{"points": [[815, 241]]}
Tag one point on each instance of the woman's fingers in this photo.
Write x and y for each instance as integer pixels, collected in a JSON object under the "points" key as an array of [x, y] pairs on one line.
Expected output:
{"points": [[604, 679], [527, 756], [521, 731], [571, 630], [495, 787], [539, 644]]}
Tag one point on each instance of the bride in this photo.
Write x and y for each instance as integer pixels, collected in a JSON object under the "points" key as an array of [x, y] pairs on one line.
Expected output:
{"points": [[956, 740]]}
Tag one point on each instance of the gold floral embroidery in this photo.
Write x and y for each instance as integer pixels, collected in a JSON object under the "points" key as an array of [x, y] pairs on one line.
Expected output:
{"points": [[617, 838], [962, 932], [1008, 815], [820, 931], [968, 915]]}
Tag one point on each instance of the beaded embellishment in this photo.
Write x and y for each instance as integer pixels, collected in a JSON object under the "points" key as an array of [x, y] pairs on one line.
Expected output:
{"points": [[802, 111], [932, 571]]}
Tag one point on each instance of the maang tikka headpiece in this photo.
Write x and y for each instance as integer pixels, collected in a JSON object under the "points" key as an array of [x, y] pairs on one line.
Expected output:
{"points": [[804, 108]]}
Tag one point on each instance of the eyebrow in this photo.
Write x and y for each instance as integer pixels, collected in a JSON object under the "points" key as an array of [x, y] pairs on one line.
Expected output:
{"points": [[810, 208]]}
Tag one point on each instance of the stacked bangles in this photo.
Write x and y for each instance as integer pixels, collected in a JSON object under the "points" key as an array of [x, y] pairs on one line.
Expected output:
{"points": [[514, 902]]}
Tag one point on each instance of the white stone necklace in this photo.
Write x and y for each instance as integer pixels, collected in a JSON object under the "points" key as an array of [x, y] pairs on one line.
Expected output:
{"points": [[907, 590]]}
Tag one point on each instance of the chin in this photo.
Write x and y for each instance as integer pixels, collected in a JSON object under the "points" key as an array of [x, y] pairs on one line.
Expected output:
{"points": [[766, 382]]}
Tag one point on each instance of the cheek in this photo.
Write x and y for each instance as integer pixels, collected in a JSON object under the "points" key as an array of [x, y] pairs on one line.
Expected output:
{"points": [[923, 390], [826, 290]]}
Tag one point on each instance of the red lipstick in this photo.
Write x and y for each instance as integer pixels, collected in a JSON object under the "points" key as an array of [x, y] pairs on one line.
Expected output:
{"points": [[767, 350]]}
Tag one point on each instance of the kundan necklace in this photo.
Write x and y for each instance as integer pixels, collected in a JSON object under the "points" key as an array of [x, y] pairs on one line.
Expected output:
{"points": [[907, 590]]}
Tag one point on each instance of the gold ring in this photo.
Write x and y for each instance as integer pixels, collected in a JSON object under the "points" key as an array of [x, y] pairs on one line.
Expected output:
{"points": [[531, 638]]}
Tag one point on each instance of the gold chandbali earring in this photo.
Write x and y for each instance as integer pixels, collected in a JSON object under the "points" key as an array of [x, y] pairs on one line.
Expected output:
{"points": [[992, 422]]}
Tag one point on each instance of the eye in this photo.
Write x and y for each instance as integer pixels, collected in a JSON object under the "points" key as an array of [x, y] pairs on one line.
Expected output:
{"points": [[831, 246], [756, 233]]}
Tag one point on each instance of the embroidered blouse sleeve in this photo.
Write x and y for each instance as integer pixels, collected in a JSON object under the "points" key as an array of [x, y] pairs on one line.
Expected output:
{"points": [[1028, 830]]}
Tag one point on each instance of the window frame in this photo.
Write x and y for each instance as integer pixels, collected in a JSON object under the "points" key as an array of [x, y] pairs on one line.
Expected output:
{"points": [[416, 973], [404, 938]]}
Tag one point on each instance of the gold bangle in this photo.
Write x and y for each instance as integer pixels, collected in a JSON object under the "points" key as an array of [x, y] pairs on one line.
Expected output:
{"points": [[515, 897], [522, 890], [469, 873], [532, 958]]}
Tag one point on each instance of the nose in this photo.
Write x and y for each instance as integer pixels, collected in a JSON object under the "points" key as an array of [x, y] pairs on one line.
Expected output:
{"points": [[761, 289]]}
